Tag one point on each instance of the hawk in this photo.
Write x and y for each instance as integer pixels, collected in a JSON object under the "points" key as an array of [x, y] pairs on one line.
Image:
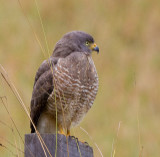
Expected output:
{"points": [[65, 85]]}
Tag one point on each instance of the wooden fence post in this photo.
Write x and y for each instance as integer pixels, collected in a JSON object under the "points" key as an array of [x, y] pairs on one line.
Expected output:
{"points": [[65, 146]]}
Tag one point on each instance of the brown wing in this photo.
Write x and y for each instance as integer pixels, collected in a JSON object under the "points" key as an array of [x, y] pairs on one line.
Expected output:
{"points": [[45, 66], [43, 87]]}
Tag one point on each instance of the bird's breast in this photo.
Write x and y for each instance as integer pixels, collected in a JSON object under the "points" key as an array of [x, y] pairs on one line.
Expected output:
{"points": [[75, 87]]}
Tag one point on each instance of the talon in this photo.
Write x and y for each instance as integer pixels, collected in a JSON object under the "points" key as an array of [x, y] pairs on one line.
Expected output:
{"points": [[73, 137], [86, 143]]}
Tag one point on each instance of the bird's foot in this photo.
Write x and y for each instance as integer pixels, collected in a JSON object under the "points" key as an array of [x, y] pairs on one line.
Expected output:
{"points": [[68, 132], [84, 142], [73, 137], [61, 130]]}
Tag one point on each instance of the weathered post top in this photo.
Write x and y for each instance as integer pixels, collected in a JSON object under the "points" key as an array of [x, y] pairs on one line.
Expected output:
{"points": [[66, 147]]}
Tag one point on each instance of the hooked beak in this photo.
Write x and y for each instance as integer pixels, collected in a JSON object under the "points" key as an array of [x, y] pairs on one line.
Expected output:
{"points": [[94, 47]]}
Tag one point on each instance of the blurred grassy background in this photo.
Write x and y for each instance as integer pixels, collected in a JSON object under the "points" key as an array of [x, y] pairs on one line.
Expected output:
{"points": [[128, 35]]}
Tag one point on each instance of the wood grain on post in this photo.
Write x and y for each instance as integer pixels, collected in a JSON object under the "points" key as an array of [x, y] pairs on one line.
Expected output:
{"points": [[65, 146]]}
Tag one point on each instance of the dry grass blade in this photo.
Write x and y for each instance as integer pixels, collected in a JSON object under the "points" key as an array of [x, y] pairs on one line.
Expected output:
{"points": [[12, 130], [13, 88], [141, 152], [139, 137], [16, 147], [115, 141], [6, 125], [44, 33], [92, 141], [14, 124], [12, 119], [36, 37], [15, 92], [138, 122], [1, 145], [10, 143]]}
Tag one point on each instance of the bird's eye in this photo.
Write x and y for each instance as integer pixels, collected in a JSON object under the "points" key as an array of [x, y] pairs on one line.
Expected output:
{"points": [[87, 43]]}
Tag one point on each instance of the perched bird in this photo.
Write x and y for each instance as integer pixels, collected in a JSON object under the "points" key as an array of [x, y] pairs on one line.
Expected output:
{"points": [[65, 85]]}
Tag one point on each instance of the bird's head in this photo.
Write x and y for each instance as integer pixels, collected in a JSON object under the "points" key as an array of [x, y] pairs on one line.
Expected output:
{"points": [[75, 41]]}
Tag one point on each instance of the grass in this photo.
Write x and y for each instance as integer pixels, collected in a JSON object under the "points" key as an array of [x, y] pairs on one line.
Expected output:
{"points": [[127, 33]]}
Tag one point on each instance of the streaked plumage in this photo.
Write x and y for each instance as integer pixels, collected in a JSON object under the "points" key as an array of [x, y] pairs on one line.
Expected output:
{"points": [[66, 82]]}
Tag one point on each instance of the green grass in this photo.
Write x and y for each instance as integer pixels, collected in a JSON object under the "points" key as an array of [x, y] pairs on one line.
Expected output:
{"points": [[127, 33]]}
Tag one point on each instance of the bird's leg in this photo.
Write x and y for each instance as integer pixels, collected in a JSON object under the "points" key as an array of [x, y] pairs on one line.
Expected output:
{"points": [[68, 132], [61, 131]]}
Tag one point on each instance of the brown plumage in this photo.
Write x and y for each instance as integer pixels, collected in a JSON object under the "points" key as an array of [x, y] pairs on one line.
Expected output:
{"points": [[66, 83]]}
